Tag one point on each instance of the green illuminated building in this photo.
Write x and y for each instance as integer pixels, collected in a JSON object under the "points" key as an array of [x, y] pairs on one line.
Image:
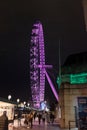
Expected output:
{"points": [[73, 85], [74, 70]]}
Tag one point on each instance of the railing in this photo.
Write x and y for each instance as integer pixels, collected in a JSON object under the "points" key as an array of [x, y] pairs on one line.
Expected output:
{"points": [[70, 124]]}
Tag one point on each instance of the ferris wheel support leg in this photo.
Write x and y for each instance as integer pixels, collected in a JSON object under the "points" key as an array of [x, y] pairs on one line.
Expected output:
{"points": [[52, 86]]}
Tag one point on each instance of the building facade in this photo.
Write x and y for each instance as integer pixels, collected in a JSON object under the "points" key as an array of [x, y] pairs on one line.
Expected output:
{"points": [[73, 86], [7, 106]]}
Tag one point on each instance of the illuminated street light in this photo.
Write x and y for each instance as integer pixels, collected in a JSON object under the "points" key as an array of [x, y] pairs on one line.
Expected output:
{"points": [[28, 104], [18, 100], [9, 97], [24, 103]]}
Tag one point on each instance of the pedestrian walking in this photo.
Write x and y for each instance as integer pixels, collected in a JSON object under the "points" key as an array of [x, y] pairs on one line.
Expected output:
{"points": [[19, 118], [35, 115], [48, 118], [30, 119], [43, 117], [52, 117], [39, 117]]}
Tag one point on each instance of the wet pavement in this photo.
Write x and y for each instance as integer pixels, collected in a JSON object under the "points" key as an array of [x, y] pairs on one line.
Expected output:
{"points": [[36, 126]]}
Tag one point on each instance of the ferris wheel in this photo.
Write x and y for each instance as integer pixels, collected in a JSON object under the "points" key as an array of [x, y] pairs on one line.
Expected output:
{"points": [[37, 65]]}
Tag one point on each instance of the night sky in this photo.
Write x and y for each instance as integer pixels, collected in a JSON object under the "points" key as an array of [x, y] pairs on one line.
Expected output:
{"points": [[63, 20]]}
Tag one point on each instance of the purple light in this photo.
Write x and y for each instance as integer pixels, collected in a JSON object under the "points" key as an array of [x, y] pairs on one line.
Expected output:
{"points": [[52, 86], [45, 66], [37, 66], [37, 57]]}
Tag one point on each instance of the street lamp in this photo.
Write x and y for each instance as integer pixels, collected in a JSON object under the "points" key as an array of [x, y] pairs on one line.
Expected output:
{"points": [[28, 104], [9, 97], [24, 103], [18, 100]]}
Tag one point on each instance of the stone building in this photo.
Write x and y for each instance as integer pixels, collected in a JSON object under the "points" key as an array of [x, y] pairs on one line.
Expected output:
{"points": [[73, 86]]}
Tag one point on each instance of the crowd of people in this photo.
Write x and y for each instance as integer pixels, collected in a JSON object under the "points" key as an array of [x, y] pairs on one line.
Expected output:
{"points": [[42, 117]]}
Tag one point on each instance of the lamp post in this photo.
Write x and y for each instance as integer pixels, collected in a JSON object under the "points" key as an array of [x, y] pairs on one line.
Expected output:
{"points": [[18, 100], [28, 104], [24, 103], [9, 97]]}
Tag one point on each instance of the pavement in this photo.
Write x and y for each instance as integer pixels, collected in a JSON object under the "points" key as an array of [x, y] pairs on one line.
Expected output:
{"points": [[16, 126], [50, 127], [38, 127]]}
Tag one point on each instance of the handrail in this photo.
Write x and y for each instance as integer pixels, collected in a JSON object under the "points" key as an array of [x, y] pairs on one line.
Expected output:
{"points": [[70, 125]]}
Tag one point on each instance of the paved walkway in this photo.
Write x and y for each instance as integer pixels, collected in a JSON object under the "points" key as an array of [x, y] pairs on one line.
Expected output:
{"points": [[42, 128], [36, 126]]}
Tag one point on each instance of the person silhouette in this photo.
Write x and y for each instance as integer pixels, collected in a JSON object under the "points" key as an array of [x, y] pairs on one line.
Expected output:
{"points": [[4, 121]]}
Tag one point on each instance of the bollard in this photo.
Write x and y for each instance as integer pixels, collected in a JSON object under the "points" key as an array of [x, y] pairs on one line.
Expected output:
{"points": [[70, 124]]}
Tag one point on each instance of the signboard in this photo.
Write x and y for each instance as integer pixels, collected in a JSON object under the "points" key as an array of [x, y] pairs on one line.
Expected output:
{"points": [[82, 107]]}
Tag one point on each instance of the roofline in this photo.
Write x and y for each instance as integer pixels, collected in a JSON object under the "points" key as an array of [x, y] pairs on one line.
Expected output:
{"points": [[8, 101]]}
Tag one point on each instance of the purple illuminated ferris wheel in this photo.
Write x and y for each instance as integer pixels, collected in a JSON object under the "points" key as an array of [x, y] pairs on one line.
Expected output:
{"points": [[38, 67]]}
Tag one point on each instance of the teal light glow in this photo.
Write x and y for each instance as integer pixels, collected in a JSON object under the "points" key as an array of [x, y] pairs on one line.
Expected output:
{"points": [[80, 78]]}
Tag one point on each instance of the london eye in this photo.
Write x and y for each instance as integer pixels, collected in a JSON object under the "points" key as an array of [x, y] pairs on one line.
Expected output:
{"points": [[37, 66]]}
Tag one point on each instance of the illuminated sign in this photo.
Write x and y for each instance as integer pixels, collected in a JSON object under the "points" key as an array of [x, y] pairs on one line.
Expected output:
{"points": [[73, 78], [78, 78]]}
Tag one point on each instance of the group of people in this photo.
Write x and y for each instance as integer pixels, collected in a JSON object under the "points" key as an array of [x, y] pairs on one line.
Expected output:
{"points": [[47, 117], [41, 116], [29, 118]]}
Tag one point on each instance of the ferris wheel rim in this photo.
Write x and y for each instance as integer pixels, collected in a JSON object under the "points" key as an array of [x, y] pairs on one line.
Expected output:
{"points": [[39, 60]]}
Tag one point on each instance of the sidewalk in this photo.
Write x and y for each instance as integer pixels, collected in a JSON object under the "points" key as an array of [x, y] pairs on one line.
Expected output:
{"points": [[68, 129], [42, 128], [16, 125], [38, 127]]}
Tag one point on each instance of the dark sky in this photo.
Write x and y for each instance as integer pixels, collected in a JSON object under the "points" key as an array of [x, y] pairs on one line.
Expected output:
{"points": [[62, 20]]}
